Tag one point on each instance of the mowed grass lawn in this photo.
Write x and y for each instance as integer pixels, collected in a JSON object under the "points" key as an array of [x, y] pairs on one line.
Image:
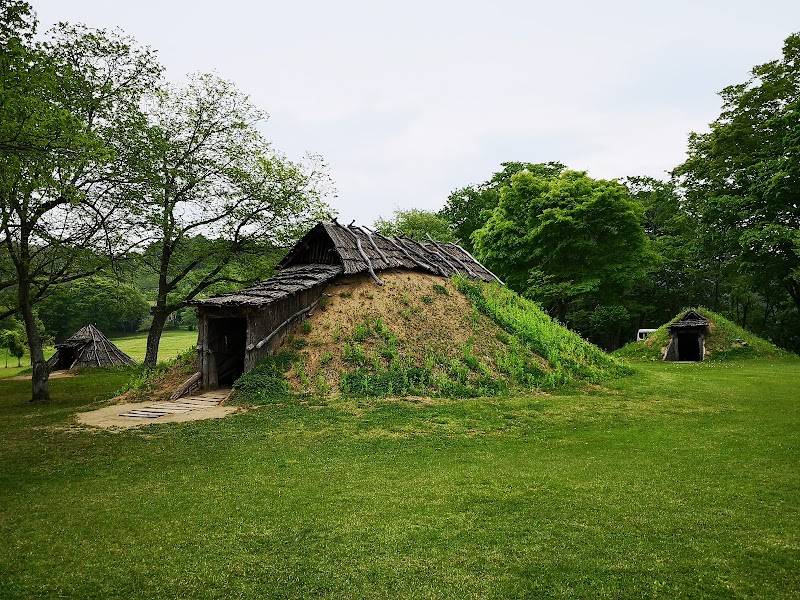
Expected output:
{"points": [[173, 342], [682, 481]]}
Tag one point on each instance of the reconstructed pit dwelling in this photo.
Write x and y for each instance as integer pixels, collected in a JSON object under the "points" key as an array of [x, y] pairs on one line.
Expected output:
{"points": [[687, 338], [237, 329]]}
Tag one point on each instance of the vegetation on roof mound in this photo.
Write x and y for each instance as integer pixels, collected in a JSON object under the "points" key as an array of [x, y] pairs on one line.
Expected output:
{"points": [[421, 335], [725, 340], [159, 382]]}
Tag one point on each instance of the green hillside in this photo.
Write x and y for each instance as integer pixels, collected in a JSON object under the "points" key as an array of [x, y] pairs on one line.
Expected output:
{"points": [[420, 335], [725, 340]]}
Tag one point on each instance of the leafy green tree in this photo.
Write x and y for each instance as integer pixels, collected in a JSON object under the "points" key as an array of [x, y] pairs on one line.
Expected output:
{"points": [[678, 275], [564, 238], [468, 208], [104, 302], [65, 106], [417, 225], [742, 178], [210, 192], [13, 340]]}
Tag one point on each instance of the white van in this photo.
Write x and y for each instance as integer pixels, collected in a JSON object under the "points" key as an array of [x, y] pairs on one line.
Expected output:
{"points": [[643, 333]]}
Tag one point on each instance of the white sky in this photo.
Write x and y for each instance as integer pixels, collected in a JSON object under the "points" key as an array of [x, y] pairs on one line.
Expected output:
{"points": [[407, 101]]}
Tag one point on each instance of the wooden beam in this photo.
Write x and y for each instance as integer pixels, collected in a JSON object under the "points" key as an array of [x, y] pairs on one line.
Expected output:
{"points": [[260, 344], [364, 255], [408, 242], [478, 263], [374, 245], [444, 252]]}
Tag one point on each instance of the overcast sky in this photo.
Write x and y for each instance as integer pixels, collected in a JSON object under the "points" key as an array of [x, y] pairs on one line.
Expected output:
{"points": [[407, 101]]}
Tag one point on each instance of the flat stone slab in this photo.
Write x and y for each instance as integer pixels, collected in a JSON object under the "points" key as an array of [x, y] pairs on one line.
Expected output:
{"points": [[205, 405]]}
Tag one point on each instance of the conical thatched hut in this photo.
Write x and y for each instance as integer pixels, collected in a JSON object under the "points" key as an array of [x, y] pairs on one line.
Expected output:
{"points": [[88, 347]]}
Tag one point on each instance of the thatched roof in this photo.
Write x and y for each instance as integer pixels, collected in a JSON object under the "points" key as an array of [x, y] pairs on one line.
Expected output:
{"points": [[88, 347], [360, 250], [288, 281], [331, 249], [691, 319]]}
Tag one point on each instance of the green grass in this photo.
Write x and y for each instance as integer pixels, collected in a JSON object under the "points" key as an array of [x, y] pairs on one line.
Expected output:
{"points": [[570, 356], [173, 343], [681, 481]]}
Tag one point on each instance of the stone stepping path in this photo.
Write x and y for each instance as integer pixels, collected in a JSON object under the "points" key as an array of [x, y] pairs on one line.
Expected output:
{"points": [[179, 406]]}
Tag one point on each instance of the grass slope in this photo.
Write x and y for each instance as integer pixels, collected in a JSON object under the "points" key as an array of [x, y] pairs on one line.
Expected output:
{"points": [[680, 482], [725, 340], [427, 336]]}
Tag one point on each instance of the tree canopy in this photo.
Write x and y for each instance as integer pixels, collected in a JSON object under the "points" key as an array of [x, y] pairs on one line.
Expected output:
{"points": [[417, 225], [99, 158], [100, 301], [557, 238], [209, 189], [467, 209], [65, 105], [742, 178]]}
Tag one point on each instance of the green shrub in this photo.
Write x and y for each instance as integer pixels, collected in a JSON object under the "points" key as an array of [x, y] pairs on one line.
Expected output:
{"points": [[145, 380], [265, 382], [354, 353], [397, 381], [363, 331]]}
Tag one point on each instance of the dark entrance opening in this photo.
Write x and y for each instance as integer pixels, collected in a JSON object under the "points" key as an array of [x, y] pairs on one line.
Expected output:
{"points": [[227, 339], [66, 356], [689, 347]]}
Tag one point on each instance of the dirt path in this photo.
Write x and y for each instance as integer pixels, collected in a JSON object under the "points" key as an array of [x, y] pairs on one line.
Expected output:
{"points": [[135, 414], [54, 375]]}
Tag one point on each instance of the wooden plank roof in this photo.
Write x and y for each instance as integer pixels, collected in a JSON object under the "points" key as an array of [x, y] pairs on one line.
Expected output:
{"points": [[331, 249], [690, 320], [286, 282], [358, 248]]}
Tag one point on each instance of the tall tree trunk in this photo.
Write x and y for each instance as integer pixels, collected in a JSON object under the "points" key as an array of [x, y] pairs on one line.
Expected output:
{"points": [[561, 311], [794, 291], [40, 380], [160, 314]]}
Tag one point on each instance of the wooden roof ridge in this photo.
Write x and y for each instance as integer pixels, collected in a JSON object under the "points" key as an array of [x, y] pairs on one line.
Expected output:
{"points": [[360, 249], [692, 318]]}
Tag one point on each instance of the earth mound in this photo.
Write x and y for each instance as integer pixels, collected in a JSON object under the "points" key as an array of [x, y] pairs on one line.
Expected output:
{"points": [[422, 335], [725, 340]]}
